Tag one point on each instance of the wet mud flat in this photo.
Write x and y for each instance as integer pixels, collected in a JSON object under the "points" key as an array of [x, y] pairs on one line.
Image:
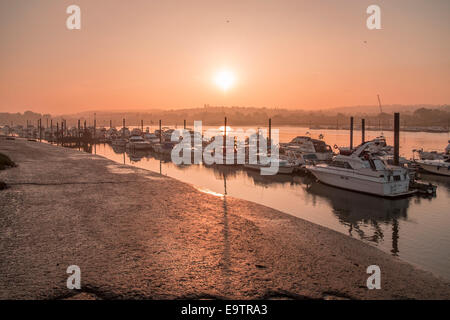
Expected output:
{"points": [[138, 235]]}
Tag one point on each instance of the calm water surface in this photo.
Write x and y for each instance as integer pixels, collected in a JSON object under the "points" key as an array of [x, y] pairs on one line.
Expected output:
{"points": [[416, 229]]}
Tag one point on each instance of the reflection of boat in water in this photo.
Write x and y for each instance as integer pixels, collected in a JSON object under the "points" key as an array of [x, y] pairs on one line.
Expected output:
{"points": [[362, 213], [440, 167], [361, 171], [164, 148], [354, 206], [119, 142], [119, 149], [159, 156], [441, 181], [279, 179], [137, 155]]}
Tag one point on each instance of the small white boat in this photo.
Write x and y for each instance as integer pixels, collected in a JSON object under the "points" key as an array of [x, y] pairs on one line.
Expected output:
{"points": [[441, 167], [361, 171], [138, 143], [304, 144], [284, 166], [433, 155]]}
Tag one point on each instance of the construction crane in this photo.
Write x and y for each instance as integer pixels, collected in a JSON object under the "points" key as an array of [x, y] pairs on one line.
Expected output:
{"points": [[379, 103]]}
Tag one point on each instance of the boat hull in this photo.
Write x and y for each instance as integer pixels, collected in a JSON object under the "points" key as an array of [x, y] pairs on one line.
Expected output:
{"points": [[440, 170], [281, 169]]}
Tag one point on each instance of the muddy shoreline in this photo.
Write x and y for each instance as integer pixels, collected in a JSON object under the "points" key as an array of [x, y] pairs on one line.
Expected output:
{"points": [[138, 235]]}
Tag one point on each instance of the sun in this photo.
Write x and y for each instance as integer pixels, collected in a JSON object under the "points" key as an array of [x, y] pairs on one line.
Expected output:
{"points": [[225, 79]]}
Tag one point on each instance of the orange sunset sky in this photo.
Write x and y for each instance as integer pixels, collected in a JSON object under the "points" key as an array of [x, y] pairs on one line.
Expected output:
{"points": [[143, 54]]}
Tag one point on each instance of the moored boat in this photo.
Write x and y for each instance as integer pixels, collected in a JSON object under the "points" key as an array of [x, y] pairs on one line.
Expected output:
{"points": [[284, 166], [441, 167], [138, 143], [363, 172], [307, 145]]}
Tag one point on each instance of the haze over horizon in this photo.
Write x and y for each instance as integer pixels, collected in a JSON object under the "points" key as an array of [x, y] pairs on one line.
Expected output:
{"points": [[143, 55]]}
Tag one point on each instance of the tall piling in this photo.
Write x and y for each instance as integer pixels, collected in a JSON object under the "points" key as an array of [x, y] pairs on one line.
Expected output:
{"points": [[62, 132], [160, 131], [123, 128], [57, 132], [225, 140], [95, 127], [363, 130], [269, 142], [78, 132], [396, 138], [351, 133]]}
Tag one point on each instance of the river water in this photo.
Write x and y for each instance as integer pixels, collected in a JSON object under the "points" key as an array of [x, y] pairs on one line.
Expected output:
{"points": [[416, 229]]}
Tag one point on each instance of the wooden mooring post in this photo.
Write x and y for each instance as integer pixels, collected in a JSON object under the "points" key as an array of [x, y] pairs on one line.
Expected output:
{"points": [[225, 141], [351, 133], [363, 130], [396, 138], [269, 142]]}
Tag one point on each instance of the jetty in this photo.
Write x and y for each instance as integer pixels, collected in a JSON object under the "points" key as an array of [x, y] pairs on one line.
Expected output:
{"points": [[136, 234]]}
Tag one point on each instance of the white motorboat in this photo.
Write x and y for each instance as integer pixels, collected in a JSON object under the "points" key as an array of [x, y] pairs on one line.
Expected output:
{"points": [[138, 143], [304, 144], [441, 167], [363, 172]]}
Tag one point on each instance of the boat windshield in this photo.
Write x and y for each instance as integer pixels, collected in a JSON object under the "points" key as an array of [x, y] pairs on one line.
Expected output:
{"points": [[341, 164], [378, 164]]}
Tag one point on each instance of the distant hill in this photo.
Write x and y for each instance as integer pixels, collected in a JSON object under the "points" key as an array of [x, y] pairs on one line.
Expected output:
{"points": [[375, 109]]}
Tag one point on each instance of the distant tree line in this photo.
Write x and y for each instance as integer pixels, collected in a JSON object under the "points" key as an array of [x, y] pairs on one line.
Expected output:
{"points": [[237, 116]]}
